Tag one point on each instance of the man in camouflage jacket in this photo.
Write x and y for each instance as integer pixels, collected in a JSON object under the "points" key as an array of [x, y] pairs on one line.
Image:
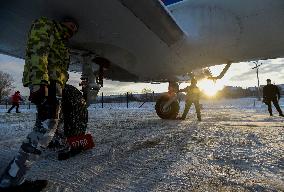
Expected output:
{"points": [[45, 73]]}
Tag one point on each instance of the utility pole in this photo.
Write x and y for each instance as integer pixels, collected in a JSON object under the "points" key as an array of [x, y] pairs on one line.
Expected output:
{"points": [[257, 67]]}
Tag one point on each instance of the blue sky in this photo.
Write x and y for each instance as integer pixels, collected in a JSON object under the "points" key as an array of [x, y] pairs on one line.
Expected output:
{"points": [[169, 2], [239, 74]]}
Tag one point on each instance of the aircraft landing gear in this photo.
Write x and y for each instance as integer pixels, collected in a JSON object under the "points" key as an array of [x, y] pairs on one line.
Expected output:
{"points": [[93, 69], [167, 106], [169, 112]]}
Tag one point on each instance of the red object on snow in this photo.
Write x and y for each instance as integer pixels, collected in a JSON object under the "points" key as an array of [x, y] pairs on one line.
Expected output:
{"points": [[83, 142]]}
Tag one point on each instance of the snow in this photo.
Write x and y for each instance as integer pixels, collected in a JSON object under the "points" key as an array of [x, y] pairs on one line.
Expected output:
{"points": [[236, 147]]}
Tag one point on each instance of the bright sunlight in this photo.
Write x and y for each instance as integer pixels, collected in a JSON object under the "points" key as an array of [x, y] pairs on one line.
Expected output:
{"points": [[209, 87]]}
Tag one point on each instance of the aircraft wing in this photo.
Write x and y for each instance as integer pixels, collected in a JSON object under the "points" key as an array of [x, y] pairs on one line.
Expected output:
{"points": [[132, 35]]}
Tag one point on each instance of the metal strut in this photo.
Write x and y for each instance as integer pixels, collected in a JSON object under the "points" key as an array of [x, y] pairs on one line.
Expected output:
{"points": [[93, 69], [222, 73]]}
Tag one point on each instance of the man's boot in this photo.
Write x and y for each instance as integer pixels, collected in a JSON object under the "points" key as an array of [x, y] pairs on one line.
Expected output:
{"points": [[199, 117]]}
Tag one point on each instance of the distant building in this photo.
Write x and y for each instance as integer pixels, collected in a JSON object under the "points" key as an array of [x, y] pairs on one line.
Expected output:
{"points": [[232, 88], [281, 87], [252, 88]]}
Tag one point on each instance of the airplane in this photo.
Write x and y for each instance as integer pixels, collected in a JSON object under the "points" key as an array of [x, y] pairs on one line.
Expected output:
{"points": [[153, 40]]}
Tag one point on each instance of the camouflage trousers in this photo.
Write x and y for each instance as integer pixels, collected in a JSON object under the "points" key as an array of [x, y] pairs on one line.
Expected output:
{"points": [[55, 121], [48, 124]]}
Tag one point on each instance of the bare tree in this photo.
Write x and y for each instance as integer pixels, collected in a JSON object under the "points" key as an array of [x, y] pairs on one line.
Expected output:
{"points": [[146, 90], [6, 86], [146, 94]]}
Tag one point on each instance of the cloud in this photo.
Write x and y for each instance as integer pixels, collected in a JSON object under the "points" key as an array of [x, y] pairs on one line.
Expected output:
{"points": [[273, 68], [239, 74], [116, 87], [15, 68]]}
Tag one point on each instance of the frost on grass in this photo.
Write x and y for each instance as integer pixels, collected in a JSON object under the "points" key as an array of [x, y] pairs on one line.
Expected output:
{"points": [[237, 147]]}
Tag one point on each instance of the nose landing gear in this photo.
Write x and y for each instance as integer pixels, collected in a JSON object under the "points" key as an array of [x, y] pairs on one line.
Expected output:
{"points": [[167, 106], [169, 112]]}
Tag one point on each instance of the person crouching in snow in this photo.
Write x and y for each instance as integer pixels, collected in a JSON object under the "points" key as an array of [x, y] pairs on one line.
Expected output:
{"points": [[16, 98]]}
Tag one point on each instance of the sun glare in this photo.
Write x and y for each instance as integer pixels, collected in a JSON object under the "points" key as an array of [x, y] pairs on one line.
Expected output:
{"points": [[209, 87]]}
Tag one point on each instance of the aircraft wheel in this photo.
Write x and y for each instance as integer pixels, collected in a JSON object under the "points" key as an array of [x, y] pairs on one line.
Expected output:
{"points": [[75, 113], [169, 113]]}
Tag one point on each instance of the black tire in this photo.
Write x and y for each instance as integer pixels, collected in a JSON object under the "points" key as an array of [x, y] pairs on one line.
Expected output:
{"points": [[75, 113], [171, 112]]}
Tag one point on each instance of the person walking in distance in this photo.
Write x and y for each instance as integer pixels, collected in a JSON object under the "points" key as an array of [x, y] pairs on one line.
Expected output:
{"points": [[16, 98], [271, 93]]}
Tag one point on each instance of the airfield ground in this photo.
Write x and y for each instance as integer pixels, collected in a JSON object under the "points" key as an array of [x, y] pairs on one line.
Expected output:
{"points": [[237, 147]]}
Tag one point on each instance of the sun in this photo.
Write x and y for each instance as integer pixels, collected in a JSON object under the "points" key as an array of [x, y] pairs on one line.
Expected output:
{"points": [[209, 87]]}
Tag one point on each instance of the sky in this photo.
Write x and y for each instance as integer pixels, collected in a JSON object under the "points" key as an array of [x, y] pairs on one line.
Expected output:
{"points": [[239, 74]]}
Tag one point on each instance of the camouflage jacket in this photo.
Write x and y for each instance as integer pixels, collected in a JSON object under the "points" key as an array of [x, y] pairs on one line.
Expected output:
{"points": [[47, 56]]}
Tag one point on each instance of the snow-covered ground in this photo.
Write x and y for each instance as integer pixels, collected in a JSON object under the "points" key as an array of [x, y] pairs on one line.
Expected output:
{"points": [[236, 147]]}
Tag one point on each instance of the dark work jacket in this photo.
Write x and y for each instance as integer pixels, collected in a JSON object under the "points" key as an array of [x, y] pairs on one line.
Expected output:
{"points": [[271, 92], [193, 93]]}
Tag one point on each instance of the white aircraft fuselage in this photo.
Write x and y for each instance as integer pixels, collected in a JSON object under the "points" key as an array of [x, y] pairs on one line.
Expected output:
{"points": [[222, 31]]}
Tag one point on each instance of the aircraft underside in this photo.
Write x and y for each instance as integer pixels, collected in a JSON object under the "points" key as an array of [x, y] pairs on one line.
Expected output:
{"points": [[145, 41]]}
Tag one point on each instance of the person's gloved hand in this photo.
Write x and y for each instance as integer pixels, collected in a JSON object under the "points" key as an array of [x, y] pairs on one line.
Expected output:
{"points": [[38, 94]]}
